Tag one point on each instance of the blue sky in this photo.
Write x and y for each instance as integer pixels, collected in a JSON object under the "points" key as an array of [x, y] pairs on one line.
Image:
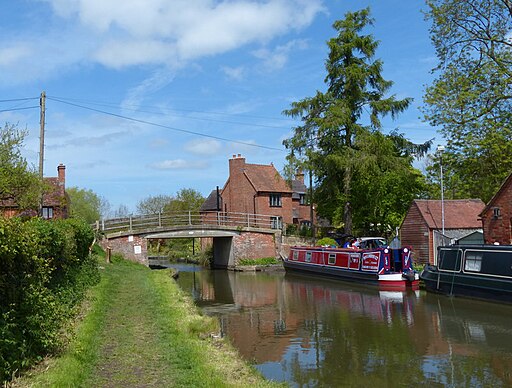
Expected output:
{"points": [[180, 68]]}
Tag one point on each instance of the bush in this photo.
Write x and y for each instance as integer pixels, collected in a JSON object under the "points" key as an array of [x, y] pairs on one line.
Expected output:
{"points": [[327, 241], [45, 268]]}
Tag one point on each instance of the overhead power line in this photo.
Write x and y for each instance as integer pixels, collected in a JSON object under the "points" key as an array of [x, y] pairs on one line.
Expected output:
{"points": [[162, 126], [159, 108], [11, 109], [20, 99]]}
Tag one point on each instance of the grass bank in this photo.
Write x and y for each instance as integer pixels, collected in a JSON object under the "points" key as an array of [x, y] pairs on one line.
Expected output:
{"points": [[140, 329]]}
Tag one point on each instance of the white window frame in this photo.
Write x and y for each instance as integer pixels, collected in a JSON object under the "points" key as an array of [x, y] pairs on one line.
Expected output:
{"points": [[275, 200], [47, 212]]}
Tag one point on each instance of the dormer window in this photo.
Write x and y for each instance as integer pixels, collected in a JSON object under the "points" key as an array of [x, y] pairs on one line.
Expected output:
{"points": [[275, 200]]}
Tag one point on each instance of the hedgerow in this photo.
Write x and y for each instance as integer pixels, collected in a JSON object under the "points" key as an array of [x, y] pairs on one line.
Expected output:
{"points": [[45, 269]]}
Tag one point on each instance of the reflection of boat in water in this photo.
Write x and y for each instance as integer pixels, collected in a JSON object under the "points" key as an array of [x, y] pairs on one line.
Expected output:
{"points": [[380, 305], [483, 271], [389, 268]]}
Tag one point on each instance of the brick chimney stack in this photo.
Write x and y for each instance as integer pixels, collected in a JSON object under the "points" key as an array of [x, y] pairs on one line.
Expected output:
{"points": [[299, 176], [61, 169]]}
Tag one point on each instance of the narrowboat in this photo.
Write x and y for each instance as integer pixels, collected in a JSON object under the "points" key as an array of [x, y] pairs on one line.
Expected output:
{"points": [[389, 268], [476, 271]]}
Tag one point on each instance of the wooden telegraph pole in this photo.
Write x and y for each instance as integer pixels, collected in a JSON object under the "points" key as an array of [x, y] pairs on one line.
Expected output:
{"points": [[42, 102]]}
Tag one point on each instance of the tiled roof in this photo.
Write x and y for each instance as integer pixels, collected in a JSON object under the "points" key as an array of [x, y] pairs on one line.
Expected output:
{"points": [[265, 178], [210, 204], [298, 187], [458, 213]]}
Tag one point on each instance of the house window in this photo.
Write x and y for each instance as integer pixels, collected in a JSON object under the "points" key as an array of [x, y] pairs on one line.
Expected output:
{"points": [[275, 200], [276, 222], [302, 199], [496, 212], [47, 212]]}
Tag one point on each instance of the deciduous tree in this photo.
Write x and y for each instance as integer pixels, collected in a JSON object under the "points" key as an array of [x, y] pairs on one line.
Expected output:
{"points": [[19, 183], [87, 205], [470, 101]]}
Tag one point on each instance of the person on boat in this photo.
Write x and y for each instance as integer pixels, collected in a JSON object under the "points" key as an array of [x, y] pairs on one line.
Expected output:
{"points": [[348, 244], [356, 243]]}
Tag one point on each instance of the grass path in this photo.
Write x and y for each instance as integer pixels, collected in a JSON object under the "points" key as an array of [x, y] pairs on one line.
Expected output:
{"points": [[142, 331]]}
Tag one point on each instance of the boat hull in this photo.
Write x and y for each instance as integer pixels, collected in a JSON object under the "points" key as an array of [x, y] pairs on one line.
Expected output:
{"points": [[467, 285], [386, 282]]}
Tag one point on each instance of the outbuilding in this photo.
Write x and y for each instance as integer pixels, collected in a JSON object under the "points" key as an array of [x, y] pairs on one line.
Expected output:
{"points": [[422, 227]]}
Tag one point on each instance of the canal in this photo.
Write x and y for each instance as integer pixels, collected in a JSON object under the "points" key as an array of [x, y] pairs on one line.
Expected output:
{"points": [[316, 332]]}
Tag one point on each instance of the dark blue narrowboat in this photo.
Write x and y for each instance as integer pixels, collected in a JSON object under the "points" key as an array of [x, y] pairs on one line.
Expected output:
{"points": [[476, 271]]}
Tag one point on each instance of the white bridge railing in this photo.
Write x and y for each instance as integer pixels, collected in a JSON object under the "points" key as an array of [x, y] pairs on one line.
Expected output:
{"points": [[161, 220]]}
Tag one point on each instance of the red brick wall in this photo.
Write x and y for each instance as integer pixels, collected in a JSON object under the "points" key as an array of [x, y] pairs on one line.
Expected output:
{"points": [[284, 211], [498, 229], [250, 245], [238, 195], [125, 247]]}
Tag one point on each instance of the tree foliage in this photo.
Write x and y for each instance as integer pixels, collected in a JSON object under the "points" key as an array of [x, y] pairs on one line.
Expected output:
{"points": [[355, 165], [87, 205], [19, 183], [470, 100], [153, 204]]}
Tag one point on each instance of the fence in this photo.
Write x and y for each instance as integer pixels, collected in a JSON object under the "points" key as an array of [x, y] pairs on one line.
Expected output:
{"points": [[161, 220]]}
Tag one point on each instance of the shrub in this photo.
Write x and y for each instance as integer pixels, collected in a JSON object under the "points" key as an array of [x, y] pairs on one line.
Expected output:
{"points": [[45, 268], [327, 241]]}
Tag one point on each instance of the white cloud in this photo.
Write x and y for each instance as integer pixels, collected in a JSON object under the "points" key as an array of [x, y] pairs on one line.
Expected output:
{"points": [[178, 164], [235, 73], [14, 55], [203, 147], [277, 58], [132, 32]]}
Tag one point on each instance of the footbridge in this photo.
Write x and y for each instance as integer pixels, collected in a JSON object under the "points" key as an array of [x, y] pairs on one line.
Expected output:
{"points": [[234, 235]]}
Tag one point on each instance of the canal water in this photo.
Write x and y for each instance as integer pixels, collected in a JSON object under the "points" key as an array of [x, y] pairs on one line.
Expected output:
{"points": [[316, 332]]}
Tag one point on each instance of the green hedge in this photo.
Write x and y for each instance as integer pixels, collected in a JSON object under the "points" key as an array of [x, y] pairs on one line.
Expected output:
{"points": [[45, 268]]}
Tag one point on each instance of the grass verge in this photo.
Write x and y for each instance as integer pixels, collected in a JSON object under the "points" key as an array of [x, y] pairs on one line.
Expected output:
{"points": [[140, 329]]}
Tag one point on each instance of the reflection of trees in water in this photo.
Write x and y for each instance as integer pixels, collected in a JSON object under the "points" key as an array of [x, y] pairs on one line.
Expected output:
{"points": [[326, 333]]}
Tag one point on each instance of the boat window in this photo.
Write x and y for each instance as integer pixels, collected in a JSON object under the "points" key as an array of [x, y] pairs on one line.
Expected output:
{"points": [[473, 261], [498, 262], [332, 258], [295, 255], [449, 259], [308, 257]]}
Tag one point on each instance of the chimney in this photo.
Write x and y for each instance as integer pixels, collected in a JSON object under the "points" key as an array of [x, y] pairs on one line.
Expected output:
{"points": [[61, 169], [299, 176], [236, 165]]}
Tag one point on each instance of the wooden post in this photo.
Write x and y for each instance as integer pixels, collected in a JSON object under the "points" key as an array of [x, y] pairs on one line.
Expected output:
{"points": [[109, 254]]}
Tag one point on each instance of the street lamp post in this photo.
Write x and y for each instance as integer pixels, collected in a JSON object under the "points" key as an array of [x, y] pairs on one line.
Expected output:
{"points": [[440, 149]]}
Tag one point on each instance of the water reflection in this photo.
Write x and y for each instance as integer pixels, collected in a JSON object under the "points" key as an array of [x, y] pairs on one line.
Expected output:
{"points": [[317, 332]]}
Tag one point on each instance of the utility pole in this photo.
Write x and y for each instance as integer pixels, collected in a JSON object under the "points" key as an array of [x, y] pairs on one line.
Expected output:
{"points": [[42, 103]]}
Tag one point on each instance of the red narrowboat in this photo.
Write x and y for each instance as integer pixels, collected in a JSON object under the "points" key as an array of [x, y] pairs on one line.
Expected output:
{"points": [[389, 268]]}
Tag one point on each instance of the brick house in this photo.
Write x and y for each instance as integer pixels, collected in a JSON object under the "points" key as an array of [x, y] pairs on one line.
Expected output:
{"points": [[260, 189], [497, 215], [421, 228], [55, 202]]}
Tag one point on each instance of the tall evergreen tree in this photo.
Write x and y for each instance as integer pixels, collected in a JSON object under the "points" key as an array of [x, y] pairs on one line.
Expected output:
{"points": [[340, 139]]}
